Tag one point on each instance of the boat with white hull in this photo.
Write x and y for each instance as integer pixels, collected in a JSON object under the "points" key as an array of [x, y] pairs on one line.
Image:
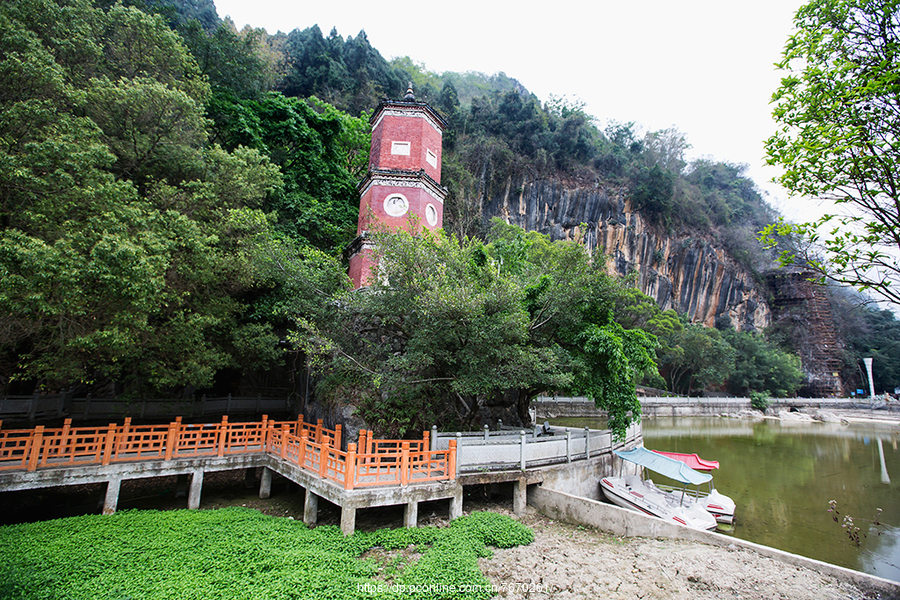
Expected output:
{"points": [[644, 496], [718, 505]]}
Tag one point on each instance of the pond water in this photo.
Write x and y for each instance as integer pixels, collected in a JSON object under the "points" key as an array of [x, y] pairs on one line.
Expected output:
{"points": [[782, 475]]}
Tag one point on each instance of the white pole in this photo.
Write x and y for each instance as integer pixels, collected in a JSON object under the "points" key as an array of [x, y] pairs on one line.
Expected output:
{"points": [[868, 363]]}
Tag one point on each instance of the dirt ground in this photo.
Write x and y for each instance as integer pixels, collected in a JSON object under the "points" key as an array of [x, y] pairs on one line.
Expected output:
{"points": [[567, 561]]}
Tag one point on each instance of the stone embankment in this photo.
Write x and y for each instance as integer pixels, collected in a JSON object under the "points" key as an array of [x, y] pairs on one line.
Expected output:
{"points": [[823, 409]]}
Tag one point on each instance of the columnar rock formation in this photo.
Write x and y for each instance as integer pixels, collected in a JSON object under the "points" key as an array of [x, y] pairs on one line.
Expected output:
{"points": [[687, 273]]}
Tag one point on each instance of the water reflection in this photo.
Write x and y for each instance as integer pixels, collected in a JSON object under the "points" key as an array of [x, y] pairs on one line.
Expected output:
{"points": [[782, 475]]}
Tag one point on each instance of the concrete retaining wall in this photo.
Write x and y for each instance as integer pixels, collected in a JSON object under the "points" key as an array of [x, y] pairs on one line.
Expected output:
{"points": [[619, 521], [548, 408]]}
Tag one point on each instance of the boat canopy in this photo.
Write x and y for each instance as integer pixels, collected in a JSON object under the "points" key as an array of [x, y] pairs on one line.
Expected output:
{"points": [[692, 460], [669, 467]]}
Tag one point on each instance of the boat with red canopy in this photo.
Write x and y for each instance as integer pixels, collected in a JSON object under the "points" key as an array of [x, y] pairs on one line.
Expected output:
{"points": [[718, 505], [692, 460]]}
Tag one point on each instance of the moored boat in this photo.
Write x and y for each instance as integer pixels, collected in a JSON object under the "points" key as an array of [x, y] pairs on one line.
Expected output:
{"points": [[718, 505], [644, 496]]}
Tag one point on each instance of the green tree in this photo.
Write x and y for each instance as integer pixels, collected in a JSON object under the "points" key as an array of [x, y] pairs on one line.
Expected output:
{"points": [[761, 367], [119, 261], [696, 357], [320, 152], [459, 332], [839, 115]]}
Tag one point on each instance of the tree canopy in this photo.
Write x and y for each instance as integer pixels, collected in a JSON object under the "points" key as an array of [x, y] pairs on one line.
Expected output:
{"points": [[472, 331], [125, 232], [839, 116]]}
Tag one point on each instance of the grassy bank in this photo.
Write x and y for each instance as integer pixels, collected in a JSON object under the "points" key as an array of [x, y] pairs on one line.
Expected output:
{"points": [[236, 553]]}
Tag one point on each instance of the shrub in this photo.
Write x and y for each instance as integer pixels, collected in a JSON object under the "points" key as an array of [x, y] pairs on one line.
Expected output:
{"points": [[759, 401]]}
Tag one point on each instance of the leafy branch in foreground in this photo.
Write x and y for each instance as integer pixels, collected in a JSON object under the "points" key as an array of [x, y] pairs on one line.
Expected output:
{"points": [[839, 113]]}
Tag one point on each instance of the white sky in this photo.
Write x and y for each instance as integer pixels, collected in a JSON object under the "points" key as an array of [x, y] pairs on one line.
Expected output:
{"points": [[705, 66]]}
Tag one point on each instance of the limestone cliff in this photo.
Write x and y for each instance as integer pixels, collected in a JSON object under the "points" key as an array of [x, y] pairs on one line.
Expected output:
{"points": [[688, 272]]}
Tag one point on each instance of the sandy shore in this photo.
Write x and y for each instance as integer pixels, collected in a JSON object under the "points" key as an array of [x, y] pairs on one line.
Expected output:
{"points": [[567, 561]]}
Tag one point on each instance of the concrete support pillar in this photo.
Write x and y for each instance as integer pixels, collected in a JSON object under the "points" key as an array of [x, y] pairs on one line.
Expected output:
{"points": [[196, 488], [265, 484], [520, 489], [456, 507], [310, 508], [411, 514], [249, 478], [112, 495], [348, 520]]}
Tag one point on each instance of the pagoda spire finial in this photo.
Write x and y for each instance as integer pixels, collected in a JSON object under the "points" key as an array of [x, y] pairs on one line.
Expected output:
{"points": [[409, 97]]}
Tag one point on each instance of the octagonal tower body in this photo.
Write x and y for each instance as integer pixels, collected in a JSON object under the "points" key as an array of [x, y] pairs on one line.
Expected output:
{"points": [[402, 190]]}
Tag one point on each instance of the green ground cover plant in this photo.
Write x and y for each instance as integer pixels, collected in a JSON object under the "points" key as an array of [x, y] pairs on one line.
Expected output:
{"points": [[236, 553]]}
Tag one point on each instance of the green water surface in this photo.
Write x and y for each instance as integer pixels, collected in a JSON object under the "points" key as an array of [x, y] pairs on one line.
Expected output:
{"points": [[783, 474]]}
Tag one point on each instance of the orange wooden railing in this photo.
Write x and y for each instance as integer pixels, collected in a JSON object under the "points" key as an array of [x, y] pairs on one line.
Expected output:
{"points": [[313, 448]]}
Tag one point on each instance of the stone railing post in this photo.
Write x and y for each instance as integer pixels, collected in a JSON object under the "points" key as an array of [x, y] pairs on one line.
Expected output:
{"points": [[434, 437], [568, 445], [522, 442], [487, 432], [587, 443]]}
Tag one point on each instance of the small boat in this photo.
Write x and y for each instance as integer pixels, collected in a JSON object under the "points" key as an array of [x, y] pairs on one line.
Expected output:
{"points": [[643, 496], [719, 505]]}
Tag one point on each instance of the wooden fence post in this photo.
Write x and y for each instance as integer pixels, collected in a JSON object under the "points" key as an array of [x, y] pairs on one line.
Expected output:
{"points": [[301, 454], [338, 431], [323, 458], [123, 439], [284, 440], [37, 440], [451, 460], [350, 467], [404, 464], [171, 441], [269, 439], [362, 445], [263, 426], [64, 442], [319, 431], [222, 434], [108, 446]]}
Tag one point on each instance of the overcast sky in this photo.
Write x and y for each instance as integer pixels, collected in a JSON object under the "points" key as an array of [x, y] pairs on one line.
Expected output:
{"points": [[703, 66]]}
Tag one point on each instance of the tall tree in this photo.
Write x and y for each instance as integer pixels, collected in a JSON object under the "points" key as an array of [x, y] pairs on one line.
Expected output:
{"points": [[461, 333], [839, 113], [122, 257]]}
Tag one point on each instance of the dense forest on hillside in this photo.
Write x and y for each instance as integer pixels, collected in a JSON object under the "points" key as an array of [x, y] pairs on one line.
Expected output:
{"points": [[176, 196]]}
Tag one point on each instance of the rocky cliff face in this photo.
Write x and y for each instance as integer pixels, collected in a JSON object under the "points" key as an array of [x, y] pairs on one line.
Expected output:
{"points": [[687, 273]]}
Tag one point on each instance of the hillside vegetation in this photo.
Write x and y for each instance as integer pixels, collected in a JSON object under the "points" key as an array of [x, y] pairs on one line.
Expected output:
{"points": [[176, 196]]}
